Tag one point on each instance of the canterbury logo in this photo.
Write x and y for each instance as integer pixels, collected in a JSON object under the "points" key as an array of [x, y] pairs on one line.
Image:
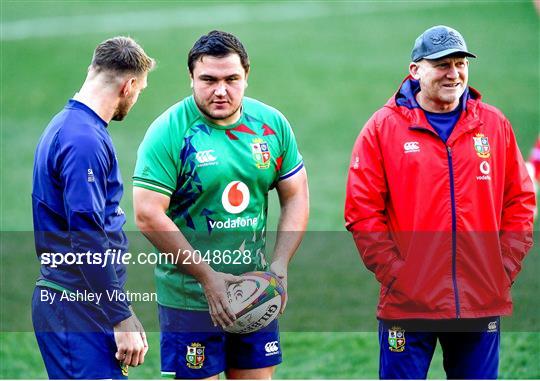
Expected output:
{"points": [[205, 156], [271, 347], [411, 147]]}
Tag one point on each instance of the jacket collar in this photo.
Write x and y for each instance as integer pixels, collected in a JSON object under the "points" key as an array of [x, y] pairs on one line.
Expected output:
{"points": [[404, 103]]}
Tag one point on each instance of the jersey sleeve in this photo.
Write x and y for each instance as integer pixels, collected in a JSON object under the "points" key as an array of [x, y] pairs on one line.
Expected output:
{"points": [[291, 159], [157, 162], [84, 169]]}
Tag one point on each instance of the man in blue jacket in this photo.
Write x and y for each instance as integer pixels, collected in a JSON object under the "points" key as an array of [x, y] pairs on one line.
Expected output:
{"points": [[83, 325]]}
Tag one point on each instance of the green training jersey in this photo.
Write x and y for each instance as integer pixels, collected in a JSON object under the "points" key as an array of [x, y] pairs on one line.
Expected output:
{"points": [[218, 179]]}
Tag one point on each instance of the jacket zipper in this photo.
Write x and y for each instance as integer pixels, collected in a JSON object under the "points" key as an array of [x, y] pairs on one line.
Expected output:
{"points": [[454, 230]]}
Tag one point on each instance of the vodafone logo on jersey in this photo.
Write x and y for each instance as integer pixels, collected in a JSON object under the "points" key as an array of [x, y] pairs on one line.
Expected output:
{"points": [[235, 197]]}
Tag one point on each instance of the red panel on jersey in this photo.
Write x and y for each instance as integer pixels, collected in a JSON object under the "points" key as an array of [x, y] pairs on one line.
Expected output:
{"points": [[267, 130], [230, 135], [279, 161], [244, 128]]}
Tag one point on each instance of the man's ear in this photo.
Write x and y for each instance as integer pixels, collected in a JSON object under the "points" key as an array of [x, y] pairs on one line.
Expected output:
{"points": [[190, 78], [127, 86], [414, 69]]}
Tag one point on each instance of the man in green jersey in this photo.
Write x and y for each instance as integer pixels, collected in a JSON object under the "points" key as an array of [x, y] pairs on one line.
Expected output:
{"points": [[201, 183]]}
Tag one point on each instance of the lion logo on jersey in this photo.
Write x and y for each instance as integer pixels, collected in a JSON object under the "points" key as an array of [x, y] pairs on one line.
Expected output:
{"points": [[261, 153]]}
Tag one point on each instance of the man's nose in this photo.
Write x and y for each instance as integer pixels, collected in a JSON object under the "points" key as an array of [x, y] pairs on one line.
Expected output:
{"points": [[453, 72], [221, 90]]}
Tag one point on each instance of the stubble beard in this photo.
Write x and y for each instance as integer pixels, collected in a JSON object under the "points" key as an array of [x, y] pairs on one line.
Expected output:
{"points": [[121, 111], [451, 99], [209, 115]]}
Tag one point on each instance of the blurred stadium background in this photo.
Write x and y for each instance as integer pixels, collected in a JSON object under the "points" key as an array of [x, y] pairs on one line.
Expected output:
{"points": [[327, 66]]}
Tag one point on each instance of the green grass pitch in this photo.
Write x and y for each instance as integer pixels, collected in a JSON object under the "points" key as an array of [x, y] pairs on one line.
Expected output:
{"points": [[327, 66]]}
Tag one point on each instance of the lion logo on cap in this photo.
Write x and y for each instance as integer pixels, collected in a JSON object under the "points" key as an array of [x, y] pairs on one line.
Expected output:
{"points": [[446, 39]]}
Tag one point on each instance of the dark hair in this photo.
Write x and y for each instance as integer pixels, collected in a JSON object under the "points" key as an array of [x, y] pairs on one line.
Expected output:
{"points": [[122, 54], [217, 44]]}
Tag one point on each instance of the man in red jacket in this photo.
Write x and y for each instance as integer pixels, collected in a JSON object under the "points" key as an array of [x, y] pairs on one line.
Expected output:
{"points": [[441, 209]]}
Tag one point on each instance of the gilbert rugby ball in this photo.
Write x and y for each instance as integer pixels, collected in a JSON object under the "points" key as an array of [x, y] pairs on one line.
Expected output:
{"points": [[256, 301]]}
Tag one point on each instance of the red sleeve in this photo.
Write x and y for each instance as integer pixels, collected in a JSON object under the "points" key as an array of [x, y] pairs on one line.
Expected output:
{"points": [[535, 159], [518, 208], [365, 207]]}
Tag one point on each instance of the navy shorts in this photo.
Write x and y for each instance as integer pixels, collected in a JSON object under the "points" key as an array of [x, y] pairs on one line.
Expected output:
{"points": [[75, 339], [191, 347], [470, 348]]}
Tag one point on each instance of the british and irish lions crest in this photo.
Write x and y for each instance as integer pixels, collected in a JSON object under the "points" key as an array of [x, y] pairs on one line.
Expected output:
{"points": [[481, 146], [261, 153], [124, 369], [396, 339], [195, 356]]}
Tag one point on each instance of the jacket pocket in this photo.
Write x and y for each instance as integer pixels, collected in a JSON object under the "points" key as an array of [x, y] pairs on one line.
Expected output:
{"points": [[389, 288]]}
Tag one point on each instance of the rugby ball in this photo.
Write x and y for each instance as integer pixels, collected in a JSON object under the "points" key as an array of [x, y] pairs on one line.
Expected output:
{"points": [[256, 301]]}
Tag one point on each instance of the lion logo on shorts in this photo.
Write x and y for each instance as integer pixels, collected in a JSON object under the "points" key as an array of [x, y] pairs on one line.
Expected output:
{"points": [[396, 339], [195, 356]]}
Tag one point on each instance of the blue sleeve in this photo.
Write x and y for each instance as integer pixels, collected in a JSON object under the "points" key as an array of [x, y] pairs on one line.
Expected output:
{"points": [[85, 166]]}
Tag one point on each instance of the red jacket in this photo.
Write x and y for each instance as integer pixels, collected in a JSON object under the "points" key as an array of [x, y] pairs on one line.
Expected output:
{"points": [[444, 227]]}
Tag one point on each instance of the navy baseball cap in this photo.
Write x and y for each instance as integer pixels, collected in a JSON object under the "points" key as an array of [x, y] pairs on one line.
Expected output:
{"points": [[437, 42]]}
